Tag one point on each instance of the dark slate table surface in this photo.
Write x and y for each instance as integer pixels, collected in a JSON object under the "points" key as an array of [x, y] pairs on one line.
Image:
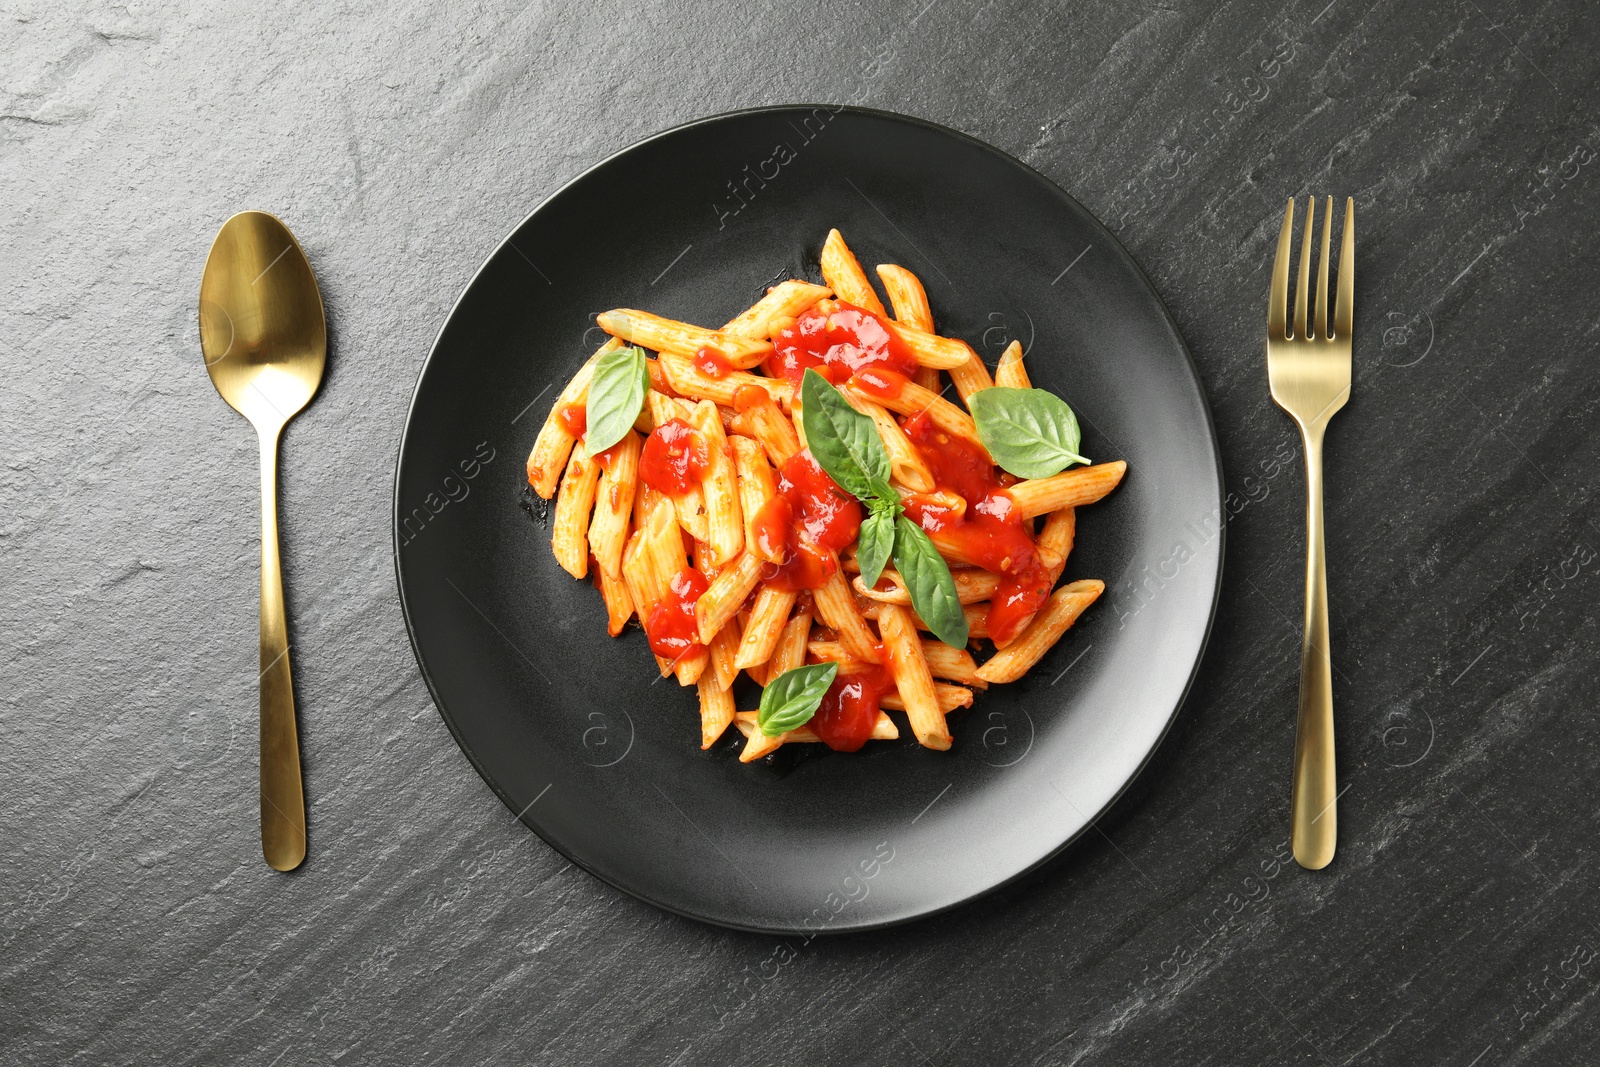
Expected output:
{"points": [[401, 142]]}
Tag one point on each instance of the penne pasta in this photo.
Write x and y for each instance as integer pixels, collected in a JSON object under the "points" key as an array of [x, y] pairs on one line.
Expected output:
{"points": [[1053, 620], [956, 550], [950, 697], [768, 425], [834, 651], [883, 729], [1055, 539], [837, 608], [1010, 372], [761, 633], [724, 650], [931, 350], [554, 444], [971, 377], [906, 465], [907, 296], [613, 504], [971, 587], [716, 710], [658, 377], [1069, 489], [775, 310], [790, 653], [910, 303], [638, 576], [977, 616], [843, 273], [726, 595], [952, 664], [669, 335], [689, 380], [658, 560], [912, 679], [665, 550], [724, 521], [619, 603], [664, 408], [569, 532], [1060, 529], [912, 399], [691, 668], [757, 485], [791, 650], [646, 502]]}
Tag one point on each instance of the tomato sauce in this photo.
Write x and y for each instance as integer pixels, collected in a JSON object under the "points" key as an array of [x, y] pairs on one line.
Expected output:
{"points": [[671, 627], [992, 534], [838, 344], [674, 458], [880, 382], [831, 516], [808, 520], [573, 419], [804, 567], [712, 363], [850, 708], [748, 396]]}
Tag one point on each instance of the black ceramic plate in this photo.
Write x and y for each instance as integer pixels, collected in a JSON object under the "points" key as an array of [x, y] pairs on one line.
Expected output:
{"points": [[571, 727]]}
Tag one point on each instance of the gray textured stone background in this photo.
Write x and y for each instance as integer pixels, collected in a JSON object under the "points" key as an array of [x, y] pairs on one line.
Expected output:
{"points": [[401, 142]]}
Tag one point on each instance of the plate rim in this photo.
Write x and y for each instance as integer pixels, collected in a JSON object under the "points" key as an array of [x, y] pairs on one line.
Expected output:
{"points": [[1209, 420]]}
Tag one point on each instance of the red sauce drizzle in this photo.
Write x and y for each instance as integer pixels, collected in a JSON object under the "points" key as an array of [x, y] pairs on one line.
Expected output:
{"points": [[671, 626], [573, 419], [850, 708], [992, 534], [674, 457], [712, 363], [844, 342]]}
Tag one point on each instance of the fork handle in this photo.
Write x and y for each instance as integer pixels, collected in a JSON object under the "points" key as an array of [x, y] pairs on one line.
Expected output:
{"points": [[1314, 814], [283, 807]]}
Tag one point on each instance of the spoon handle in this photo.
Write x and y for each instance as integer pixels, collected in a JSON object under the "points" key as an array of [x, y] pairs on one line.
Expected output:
{"points": [[283, 806]]}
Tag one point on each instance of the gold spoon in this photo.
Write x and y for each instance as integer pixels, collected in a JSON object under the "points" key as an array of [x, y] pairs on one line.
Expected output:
{"points": [[265, 340]]}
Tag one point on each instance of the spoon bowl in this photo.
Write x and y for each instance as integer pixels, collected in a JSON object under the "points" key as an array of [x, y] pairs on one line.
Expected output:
{"points": [[262, 326], [265, 339]]}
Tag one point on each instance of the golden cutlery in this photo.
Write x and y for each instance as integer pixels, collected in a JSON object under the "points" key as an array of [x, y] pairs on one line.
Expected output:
{"points": [[265, 340], [1309, 371]]}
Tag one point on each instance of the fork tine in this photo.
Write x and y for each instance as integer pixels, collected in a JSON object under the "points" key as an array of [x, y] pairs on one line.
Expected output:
{"points": [[1344, 310], [1301, 303], [1278, 299], [1322, 270]]}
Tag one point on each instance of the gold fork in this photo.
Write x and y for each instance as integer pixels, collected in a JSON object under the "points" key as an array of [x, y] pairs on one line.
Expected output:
{"points": [[1310, 375]]}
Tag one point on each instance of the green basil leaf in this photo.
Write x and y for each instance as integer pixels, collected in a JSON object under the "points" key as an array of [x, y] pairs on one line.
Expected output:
{"points": [[1029, 432], [616, 395], [927, 578], [883, 493], [844, 442], [790, 699], [875, 543], [887, 500]]}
